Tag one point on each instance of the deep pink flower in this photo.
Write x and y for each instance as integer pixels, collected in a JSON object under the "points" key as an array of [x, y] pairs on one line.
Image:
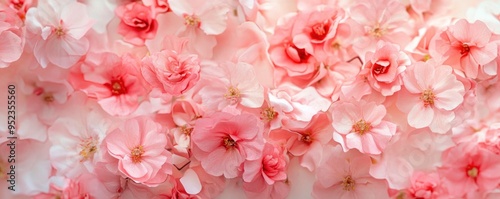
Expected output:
{"points": [[137, 23], [223, 142], [360, 125], [469, 168], [424, 185], [139, 145]]}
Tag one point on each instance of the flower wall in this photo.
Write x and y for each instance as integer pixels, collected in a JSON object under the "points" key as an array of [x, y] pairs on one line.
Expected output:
{"points": [[366, 99]]}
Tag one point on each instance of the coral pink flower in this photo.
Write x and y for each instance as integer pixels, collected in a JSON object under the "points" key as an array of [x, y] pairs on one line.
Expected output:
{"points": [[383, 68], [223, 142], [267, 169], [171, 70], [159, 6], [345, 175], [467, 47], [139, 146], [12, 42], [21, 6], [307, 139], [359, 125], [115, 82], [137, 23], [59, 25], [231, 85], [469, 168], [424, 185], [433, 94]]}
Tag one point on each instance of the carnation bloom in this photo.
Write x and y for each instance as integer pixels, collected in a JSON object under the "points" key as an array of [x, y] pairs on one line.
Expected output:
{"points": [[469, 168], [424, 185], [345, 175], [223, 142], [59, 25], [267, 169], [383, 68], [172, 70], [139, 145], [12, 42], [468, 47], [433, 94], [137, 23], [359, 125]]}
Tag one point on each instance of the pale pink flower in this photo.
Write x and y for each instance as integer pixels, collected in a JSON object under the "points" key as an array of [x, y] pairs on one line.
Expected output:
{"points": [[280, 189], [360, 125], [231, 84], [172, 70], [383, 68], [307, 139], [57, 31], [137, 23], [433, 93], [210, 16], [385, 20], [222, 142], [139, 145], [12, 34], [468, 47], [469, 168], [345, 175]]}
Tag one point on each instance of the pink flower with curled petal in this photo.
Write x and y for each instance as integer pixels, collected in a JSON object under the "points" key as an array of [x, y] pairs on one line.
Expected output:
{"points": [[431, 96], [468, 168], [159, 6], [139, 145], [467, 47], [267, 169], [424, 185], [172, 70], [384, 67], [222, 142], [137, 23], [346, 175], [360, 125], [60, 25], [21, 6], [12, 34]]}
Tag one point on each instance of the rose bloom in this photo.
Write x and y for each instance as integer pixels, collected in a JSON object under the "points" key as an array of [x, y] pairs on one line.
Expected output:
{"points": [[223, 142], [171, 71], [137, 23]]}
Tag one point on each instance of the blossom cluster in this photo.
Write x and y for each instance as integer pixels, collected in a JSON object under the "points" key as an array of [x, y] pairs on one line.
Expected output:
{"points": [[276, 99]]}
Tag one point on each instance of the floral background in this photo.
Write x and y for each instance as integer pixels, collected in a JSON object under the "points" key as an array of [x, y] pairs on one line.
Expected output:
{"points": [[204, 99]]}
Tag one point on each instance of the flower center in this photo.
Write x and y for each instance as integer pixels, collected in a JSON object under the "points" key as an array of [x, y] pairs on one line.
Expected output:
{"points": [[268, 114], [186, 130], [117, 87], [48, 98], [361, 127], [232, 94], [428, 97], [88, 149], [348, 183], [465, 49], [319, 31], [379, 69], [377, 32], [59, 31], [136, 154], [192, 20], [229, 142], [472, 171], [306, 138], [298, 55]]}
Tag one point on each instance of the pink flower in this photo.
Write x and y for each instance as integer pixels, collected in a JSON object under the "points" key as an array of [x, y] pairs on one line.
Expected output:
{"points": [[424, 185], [384, 67], [307, 139], [60, 25], [210, 17], [223, 142], [468, 47], [115, 82], [139, 145], [345, 175], [469, 168], [267, 169], [159, 6], [171, 70], [137, 23], [21, 6], [360, 125], [433, 94], [12, 34]]}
